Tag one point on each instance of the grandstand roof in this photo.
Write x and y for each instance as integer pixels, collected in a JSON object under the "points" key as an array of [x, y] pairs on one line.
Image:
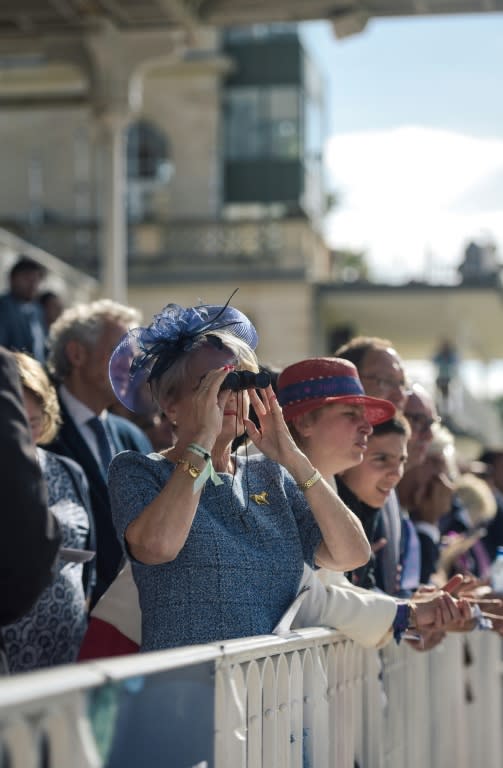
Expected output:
{"points": [[35, 18]]}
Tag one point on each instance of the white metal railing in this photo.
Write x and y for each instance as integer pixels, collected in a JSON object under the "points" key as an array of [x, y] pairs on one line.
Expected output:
{"points": [[312, 699], [284, 245]]}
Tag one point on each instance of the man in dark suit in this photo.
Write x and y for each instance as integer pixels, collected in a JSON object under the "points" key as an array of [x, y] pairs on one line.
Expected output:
{"points": [[30, 534], [21, 320], [80, 344]]}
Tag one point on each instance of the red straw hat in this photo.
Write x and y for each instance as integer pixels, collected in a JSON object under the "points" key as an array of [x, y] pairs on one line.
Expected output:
{"points": [[310, 384]]}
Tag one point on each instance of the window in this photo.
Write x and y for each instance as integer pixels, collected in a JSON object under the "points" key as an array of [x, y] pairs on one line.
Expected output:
{"points": [[148, 153], [262, 122], [149, 168], [284, 122]]}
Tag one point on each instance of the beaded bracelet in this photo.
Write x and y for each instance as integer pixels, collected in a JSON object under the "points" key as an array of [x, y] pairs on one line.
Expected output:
{"points": [[199, 451]]}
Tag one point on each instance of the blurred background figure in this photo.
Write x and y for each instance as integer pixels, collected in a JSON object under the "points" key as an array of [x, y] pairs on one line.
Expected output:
{"points": [[52, 631], [427, 492], [476, 509], [446, 360], [492, 461], [22, 325], [421, 413], [52, 307]]}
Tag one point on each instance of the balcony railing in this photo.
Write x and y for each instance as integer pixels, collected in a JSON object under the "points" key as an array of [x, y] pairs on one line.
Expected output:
{"points": [[185, 249], [309, 700]]}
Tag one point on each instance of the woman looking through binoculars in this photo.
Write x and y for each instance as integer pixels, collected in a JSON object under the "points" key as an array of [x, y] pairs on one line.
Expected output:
{"points": [[217, 541]]}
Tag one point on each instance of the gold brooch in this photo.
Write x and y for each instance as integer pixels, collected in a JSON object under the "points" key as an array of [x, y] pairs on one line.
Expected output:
{"points": [[259, 498]]}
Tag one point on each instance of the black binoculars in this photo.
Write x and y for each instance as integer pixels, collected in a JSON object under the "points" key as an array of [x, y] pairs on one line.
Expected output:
{"points": [[238, 380]]}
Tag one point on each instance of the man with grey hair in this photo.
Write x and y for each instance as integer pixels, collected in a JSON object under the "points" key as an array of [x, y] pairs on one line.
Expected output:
{"points": [[81, 342]]}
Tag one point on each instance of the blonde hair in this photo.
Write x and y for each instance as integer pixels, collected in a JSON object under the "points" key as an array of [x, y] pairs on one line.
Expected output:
{"points": [[35, 381], [170, 382], [84, 323]]}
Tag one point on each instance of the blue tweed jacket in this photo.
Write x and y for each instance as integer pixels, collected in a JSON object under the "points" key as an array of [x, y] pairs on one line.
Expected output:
{"points": [[242, 563]]}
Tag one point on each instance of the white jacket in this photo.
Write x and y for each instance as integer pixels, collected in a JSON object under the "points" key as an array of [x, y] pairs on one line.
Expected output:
{"points": [[361, 614]]}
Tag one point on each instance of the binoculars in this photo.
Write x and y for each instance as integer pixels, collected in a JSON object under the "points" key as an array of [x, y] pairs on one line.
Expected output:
{"points": [[238, 380]]}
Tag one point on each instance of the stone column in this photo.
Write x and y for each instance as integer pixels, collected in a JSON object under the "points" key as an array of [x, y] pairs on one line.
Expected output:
{"points": [[112, 136], [118, 62]]}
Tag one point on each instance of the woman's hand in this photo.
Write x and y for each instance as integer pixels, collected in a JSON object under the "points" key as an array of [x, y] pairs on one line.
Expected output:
{"points": [[441, 613], [208, 405], [273, 438], [344, 544]]}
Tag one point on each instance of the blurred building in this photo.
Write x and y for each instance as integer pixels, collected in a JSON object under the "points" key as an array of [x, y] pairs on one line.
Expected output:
{"points": [[480, 264], [220, 141], [224, 177]]}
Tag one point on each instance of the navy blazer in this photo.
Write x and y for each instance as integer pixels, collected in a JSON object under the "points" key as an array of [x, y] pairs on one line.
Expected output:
{"points": [[69, 442]]}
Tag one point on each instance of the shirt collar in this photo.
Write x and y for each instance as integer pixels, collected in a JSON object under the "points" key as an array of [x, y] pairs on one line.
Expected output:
{"points": [[79, 412]]}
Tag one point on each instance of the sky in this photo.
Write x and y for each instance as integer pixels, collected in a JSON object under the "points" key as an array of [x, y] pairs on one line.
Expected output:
{"points": [[414, 148]]}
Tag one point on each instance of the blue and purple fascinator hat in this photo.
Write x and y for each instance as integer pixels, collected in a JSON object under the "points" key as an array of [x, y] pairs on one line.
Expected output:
{"points": [[144, 354]]}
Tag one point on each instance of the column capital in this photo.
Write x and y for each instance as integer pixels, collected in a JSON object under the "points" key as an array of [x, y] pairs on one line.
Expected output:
{"points": [[118, 61]]}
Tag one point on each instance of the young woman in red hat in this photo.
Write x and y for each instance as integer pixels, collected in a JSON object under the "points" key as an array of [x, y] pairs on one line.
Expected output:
{"points": [[331, 419]]}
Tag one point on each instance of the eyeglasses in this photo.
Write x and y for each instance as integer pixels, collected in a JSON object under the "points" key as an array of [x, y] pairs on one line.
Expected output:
{"points": [[385, 385], [420, 422]]}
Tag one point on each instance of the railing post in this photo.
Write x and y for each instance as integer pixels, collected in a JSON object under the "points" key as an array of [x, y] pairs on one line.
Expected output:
{"points": [[269, 712], [254, 715], [230, 715], [296, 710], [283, 732]]}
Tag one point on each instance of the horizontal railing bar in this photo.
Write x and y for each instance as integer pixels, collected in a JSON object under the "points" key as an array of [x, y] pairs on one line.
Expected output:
{"points": [[30, 686]]}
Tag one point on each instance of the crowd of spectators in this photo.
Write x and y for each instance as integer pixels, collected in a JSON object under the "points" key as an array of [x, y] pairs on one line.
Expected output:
{"points": [[140, 525]]}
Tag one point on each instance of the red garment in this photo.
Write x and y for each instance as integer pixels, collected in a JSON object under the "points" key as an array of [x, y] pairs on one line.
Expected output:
{"points": [[103, 639]]}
